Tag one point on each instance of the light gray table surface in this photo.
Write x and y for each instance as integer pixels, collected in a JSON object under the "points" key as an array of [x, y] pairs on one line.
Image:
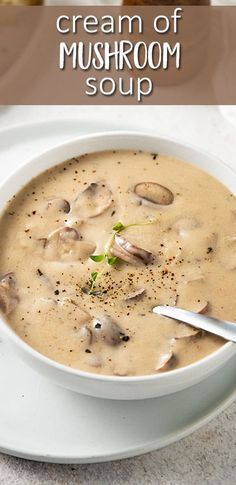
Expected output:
{"points": [[206, 457], [209, 455]]}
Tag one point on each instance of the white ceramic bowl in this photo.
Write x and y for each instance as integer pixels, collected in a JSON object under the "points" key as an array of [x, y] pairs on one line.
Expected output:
{"points": [[114, 387]]}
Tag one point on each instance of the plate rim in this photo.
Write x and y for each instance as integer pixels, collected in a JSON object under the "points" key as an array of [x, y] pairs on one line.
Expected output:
{"points": [[129, 452]]}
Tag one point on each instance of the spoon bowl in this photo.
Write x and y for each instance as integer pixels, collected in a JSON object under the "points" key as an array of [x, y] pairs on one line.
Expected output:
{"points": [[222, 328]]}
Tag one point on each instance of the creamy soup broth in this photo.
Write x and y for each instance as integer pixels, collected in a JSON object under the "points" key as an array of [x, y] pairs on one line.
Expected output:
{"points": [[179, 250]]}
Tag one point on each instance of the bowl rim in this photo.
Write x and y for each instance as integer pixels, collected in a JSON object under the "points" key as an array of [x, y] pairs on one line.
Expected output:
{"points": [[224, 350]]}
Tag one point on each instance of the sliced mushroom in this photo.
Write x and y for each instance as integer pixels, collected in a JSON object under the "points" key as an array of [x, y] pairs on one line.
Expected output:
{"points": [[170, 247], [82, 315], [192, 297], [107, 330], [201, 306], [185, 225], [85, 335], [65, 245], [9, 297], [67, 234], [58, 205], [229, 253], [195, 305], [155, 193], [72, 221], [166, 361], [121, 369], [191, 304], [230, 241], [49, 301], [190, 334], [44, 305], [8, 279], [64, 311], [51, 213], [94, 360], [170, 298], [44, 278], [42, 241], [135, 294], [211, 244], [193, 274], [234, 214], [201, 246], [93, 201], [130, 253], [230, 263]]}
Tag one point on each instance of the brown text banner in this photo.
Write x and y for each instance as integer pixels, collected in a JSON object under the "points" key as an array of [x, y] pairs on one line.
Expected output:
{"points": [[117, 55]]}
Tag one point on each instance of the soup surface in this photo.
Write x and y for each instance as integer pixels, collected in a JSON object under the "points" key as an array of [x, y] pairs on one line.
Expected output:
{"points": [[162, 232]]}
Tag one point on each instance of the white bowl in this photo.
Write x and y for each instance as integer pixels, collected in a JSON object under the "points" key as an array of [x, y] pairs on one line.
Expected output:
{"points": [[114, 387]]}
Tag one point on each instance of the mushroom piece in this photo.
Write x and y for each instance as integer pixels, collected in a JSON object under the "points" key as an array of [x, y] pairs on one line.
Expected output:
{"points": [[51, 213], [48, 301], [166, 361], [192, 296], [170, 298], [195, 334], [58, 205], [200, 306], [68, 303], [234, 214], [67, 234], [93, 201], [44, 305], [211, 244], [65, 245], [171, 249], [8, 293], [196, 306], [130, 253], [106, 329], [135, 294], [44, 278], [192, 274], [185, 225], [155, 193], [94, 360], [121, 369], [229, 253], [201, 247], [8, 279], [85, 335]]}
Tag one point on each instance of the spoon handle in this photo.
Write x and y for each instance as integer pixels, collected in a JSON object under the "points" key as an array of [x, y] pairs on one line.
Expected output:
{"points": [[224, 329]]}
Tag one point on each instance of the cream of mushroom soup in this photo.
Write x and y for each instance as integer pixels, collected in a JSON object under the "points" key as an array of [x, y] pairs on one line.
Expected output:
{"points": [[89, 247]]}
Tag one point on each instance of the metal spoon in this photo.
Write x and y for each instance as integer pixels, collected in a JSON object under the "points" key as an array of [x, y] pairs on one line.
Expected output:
{"points": [[224, 329]]}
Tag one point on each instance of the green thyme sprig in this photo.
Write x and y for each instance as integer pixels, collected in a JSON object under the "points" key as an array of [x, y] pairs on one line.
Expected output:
{"points": [[92, 281], [98, 258], [106, 256]]}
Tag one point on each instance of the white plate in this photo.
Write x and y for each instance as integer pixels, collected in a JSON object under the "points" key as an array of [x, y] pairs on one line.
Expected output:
{"points": [[43, 422]]}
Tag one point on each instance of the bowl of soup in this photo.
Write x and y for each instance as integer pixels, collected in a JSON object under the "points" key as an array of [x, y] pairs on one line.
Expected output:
{"points": [[94, 234]]}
